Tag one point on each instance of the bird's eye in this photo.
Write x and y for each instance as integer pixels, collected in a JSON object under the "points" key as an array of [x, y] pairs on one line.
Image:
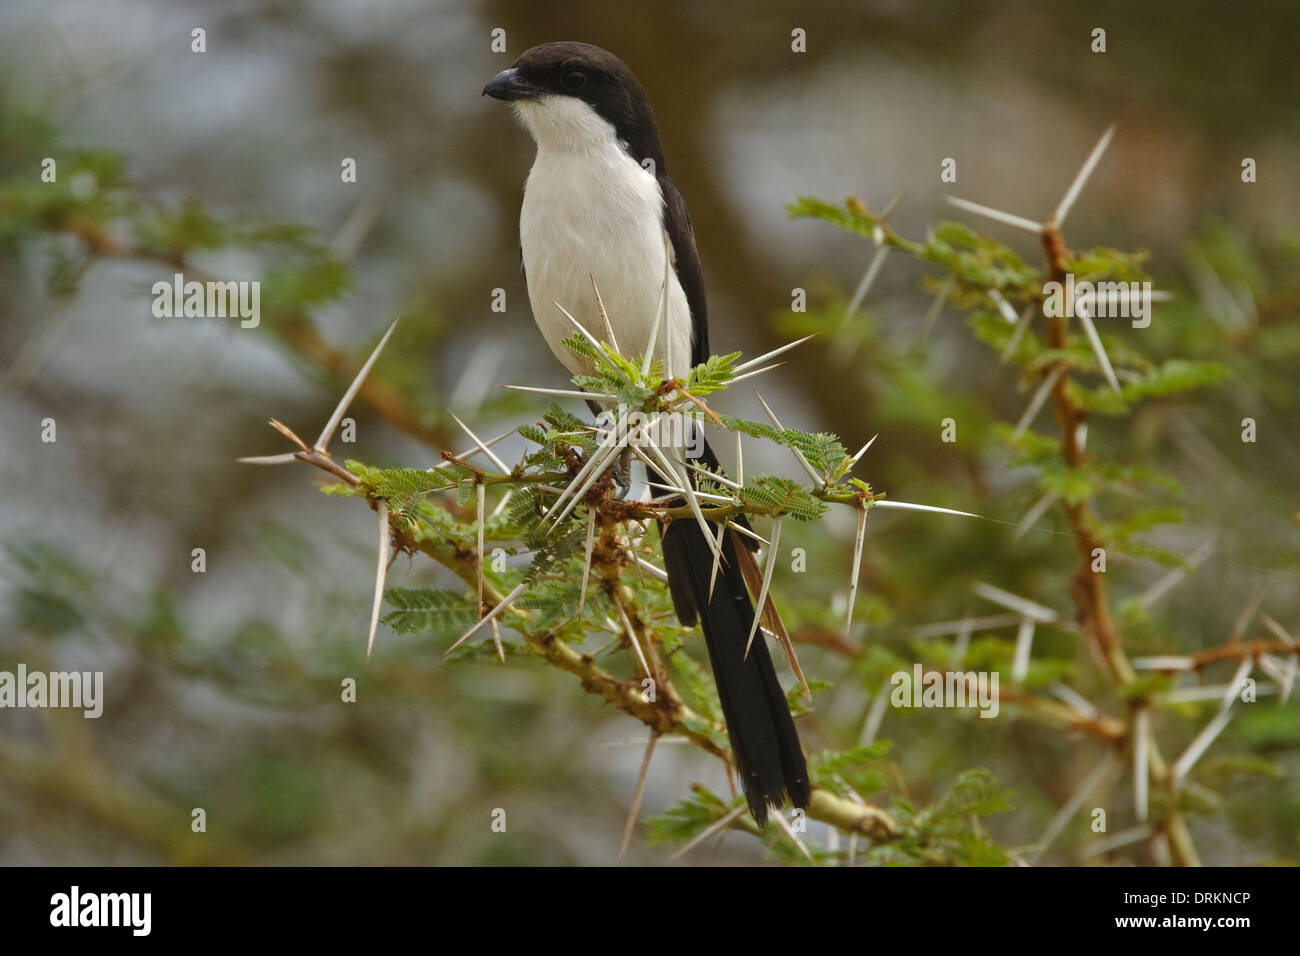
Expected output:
{"points": [[573, 79]]}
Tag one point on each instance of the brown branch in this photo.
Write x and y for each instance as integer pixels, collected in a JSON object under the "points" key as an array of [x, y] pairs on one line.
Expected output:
{"points": [[1236, 650], [1089, 591]]}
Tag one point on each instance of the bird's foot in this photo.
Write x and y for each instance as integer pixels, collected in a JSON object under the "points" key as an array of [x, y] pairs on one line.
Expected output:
{"points": [[622, 473]]}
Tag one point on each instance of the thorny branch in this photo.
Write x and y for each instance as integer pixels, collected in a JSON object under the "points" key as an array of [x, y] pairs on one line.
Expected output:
{"points": [[1092, 603], [664, 712]]}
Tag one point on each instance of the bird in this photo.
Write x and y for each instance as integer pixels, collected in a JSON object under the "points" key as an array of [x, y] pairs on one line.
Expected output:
{"points": [[600, 209]]}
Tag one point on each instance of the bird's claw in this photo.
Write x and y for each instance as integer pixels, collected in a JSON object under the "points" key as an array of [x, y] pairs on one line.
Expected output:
{"points": [[622, 473]]}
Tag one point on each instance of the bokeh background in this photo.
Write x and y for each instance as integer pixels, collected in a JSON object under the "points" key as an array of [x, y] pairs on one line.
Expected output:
{"points": [[222, 687]]}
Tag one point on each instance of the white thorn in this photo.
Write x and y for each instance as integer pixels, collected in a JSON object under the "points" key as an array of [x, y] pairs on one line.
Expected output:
{"points": [[1076, 187], [596, 472], [1283, 674], [1018, 333], [941, 628], [1098, 349], [1024, 645], [1174, 576], [269, 459], [380, 574], [961, 645], [708, 832], [1090, 782], [1201, 743], [597, 459], [341, 409], [935, 308], [812, 473], [482, 525], [496, 639], [789, 831], [586, 565], [492, 615], [1141, 767], [1122, 839], [758, 371], [1166, 663], [857, 566], [875, 715], [1074, 700], [1041, 614], [717, 560], [908, 506], [666, 465], [501, 505], [595, 342], [772, 354], [492, 456], [712, 475], [1288, 678], [662, 314], [1203, 692], [1036, 403], [561, 392], [867, 281], [631, 636], [889, 209], [721, 499], [654, 570], [1018, 221], [747, 533], [1004, 307], [1033, 514], [1278, 630], [769, 566], [1248, 612], [1234, 685], [471, 452], [604, 317], [640, 791], [863, 450]]}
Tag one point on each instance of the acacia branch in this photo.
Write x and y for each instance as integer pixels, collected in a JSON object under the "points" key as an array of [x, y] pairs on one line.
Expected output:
{"points": [[666, 713]]}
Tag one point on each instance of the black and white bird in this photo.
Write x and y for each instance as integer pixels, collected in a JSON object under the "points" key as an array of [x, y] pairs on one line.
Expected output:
{"points": [[598, 204]]}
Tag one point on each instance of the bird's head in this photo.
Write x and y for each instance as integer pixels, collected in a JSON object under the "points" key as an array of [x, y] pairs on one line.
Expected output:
{"points": [[577, 96]]}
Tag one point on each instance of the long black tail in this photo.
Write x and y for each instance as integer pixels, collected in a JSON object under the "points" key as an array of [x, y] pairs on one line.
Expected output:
{"points": [[763, 737]]}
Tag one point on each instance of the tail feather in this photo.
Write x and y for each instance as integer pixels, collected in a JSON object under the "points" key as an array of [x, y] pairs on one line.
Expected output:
{"points": [[764, 742]]}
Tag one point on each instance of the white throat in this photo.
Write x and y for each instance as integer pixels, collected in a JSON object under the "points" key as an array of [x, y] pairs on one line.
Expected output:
{"points": [[565, 124], [592, 211]]}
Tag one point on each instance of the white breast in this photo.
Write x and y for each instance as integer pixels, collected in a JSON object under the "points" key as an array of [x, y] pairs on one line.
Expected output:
{"points": [[590, 210]]}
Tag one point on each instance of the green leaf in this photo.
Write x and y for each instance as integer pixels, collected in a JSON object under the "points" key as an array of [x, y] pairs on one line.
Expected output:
{"points": [[849, 216], [781, 496], [689, 818], [1175, 375], [426, 609], [713, 375]]}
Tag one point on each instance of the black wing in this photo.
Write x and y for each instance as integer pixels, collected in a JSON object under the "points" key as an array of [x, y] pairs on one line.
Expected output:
{"points": [[689, 274]]}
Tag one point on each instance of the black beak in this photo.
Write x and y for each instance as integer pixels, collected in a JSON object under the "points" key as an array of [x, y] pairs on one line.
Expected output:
{"points": [[510, 85]]}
